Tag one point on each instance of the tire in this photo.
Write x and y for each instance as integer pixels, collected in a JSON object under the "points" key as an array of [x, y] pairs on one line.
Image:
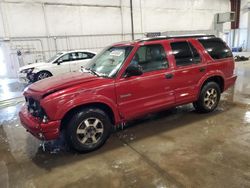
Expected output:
{"points": [[88, 130], [42, 74], [209, 98]]}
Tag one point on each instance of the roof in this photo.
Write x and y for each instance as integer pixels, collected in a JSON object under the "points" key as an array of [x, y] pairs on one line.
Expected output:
{"points": [[203, 36], [177, 36], [70, 51]]}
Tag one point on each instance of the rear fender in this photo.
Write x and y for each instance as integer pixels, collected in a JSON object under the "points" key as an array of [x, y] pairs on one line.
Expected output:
{"points": [[206, 77]]}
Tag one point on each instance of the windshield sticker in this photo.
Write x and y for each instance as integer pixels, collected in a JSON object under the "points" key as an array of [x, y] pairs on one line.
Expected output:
{"points": [[116, 53]]}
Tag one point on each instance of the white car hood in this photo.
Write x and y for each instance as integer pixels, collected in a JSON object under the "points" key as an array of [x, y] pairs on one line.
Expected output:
{"points": [[33, 65]]}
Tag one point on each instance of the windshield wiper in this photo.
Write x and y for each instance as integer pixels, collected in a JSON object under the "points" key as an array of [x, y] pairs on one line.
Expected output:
{"points": [[91, 71]]}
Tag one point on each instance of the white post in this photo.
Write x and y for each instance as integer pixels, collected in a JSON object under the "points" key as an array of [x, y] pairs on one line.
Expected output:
{"points": [[248, 33]]}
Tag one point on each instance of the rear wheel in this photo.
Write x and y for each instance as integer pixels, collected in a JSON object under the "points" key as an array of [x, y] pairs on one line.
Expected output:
{"points": [[88, 129], [209, 98]]}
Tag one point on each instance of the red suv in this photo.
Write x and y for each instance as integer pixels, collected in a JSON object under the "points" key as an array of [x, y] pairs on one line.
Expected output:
{"points": [[125, 81]]}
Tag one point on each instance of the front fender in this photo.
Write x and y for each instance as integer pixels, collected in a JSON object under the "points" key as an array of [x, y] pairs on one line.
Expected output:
{"points": [[65, 104], [36, 70]]}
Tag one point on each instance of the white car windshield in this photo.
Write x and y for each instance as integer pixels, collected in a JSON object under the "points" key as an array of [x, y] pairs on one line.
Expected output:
{"points": [[108, 62], [53, 58]]}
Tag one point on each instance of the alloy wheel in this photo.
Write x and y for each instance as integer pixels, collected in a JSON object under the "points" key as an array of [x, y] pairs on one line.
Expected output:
{"points": [[43, 75], [90, 131], [210, 98]]}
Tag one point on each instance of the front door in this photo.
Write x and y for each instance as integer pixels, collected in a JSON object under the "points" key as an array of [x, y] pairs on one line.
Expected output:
{"points": [[62, 65], [79, 59], [151, 91]]}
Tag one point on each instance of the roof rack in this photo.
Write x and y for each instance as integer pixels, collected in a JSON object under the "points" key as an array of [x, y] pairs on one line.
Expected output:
{"points": [[178, 36]]}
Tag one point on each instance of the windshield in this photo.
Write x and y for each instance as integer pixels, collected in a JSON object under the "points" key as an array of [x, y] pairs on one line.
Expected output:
{"points": [[109, 61], [54, 57]]}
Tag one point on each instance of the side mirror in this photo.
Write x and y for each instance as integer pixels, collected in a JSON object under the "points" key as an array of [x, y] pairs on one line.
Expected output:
{"points": [[59, 61], [133, 70]]}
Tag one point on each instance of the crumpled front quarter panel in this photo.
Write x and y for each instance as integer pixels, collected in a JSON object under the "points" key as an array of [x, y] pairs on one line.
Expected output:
{"points": [[56, 105]]}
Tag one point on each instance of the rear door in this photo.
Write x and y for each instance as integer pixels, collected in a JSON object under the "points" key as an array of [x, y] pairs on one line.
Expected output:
{"points": [[190, 67]]}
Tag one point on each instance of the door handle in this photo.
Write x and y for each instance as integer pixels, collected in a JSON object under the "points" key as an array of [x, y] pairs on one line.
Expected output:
{"points": [[169, 76], [202, 69]]}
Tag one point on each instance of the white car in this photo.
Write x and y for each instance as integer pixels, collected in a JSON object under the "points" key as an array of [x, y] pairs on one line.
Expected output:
{"points": [[61, 63]]}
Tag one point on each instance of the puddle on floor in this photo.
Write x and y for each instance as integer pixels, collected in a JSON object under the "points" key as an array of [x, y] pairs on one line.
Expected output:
{"points": [[241, 93]]}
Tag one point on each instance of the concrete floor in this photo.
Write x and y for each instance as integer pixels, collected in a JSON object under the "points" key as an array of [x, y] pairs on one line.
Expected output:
{"points": [[173, 148], [10, 89]]}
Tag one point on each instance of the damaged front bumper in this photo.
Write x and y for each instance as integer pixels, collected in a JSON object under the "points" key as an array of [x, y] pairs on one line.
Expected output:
{"points": [[26, 78], [22, 78], [42, 131]]}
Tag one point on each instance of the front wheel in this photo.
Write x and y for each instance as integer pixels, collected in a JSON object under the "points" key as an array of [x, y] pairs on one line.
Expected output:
{"points": [[88, 129], [209, 98], [42, 74]]}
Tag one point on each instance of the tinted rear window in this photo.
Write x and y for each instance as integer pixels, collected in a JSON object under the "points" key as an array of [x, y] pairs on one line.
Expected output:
{"points": [[216, 48], [185, 54]]}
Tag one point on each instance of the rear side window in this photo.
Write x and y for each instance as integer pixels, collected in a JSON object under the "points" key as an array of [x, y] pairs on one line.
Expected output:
{"points": [[185, 54], [196, 55], [216, 48], [81, 55]]}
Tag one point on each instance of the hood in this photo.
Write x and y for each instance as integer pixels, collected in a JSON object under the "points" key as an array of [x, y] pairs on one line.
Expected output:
{"points": [[33, 65], [55, 83]]}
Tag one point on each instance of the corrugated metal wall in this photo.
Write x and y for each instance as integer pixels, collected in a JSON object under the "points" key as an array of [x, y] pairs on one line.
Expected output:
{"points": [[40, 28]]}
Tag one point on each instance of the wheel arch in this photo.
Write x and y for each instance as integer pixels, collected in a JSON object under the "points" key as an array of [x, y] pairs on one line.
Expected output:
{"points": [[217, 79], [106, 108], [43, 70]]}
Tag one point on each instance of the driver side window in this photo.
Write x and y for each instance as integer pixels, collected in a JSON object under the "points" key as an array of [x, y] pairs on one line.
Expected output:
{"points": [[151, 58], [65, 58]]}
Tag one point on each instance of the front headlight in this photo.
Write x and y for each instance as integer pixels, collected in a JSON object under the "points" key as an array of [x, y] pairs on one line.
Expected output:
{"points": [[27, 70]]}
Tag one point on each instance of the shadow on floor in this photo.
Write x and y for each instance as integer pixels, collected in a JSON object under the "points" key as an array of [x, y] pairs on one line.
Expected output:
{"points": [[57, 153]]}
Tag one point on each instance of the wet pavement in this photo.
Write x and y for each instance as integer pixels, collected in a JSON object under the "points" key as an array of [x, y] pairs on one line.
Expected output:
{"points": [[10, 89], [172, 148]]}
